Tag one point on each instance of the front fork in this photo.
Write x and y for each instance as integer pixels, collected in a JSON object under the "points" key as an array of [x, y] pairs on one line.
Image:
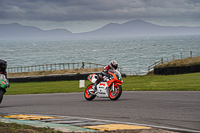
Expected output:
{"points": [[113, 87]]}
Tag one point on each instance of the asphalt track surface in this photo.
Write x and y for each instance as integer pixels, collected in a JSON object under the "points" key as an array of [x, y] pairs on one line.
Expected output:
{"points": [[172, 109]]}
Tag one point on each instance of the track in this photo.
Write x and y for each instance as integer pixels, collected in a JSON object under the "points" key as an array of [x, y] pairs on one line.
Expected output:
{"points": [[164, 109]]}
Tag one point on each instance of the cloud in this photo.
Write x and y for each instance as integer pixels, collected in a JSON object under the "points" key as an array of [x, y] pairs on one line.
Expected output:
{"points": [[88, 10], [86, 15]]}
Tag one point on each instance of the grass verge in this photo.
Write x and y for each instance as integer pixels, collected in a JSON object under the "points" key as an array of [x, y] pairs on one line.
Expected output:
{"points": [[20, 128], [54, 72], [181, 62], [181, 82]]}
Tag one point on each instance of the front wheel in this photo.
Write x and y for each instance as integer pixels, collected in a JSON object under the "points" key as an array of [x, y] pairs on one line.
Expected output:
{"points": [[114, 95], [89, 93], [1, 95]]}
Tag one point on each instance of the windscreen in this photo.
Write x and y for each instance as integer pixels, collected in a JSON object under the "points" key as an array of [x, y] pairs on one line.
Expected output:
{"points": [[117, 73]]}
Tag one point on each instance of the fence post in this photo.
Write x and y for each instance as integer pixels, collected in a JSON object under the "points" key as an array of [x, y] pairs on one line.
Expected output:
{"points": [[191, 54], [181, 55], [46, 67]]}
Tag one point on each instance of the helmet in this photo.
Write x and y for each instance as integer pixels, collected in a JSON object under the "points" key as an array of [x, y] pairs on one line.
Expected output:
{"points": [[113, 64]]}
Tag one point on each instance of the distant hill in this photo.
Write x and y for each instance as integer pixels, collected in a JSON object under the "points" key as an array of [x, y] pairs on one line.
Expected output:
{"points": [[16, 30], [140, 28], [131, 28]]}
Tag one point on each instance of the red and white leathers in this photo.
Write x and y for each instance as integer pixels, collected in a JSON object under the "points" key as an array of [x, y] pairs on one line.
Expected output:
{"points": [[112, 65], [103, 73]]}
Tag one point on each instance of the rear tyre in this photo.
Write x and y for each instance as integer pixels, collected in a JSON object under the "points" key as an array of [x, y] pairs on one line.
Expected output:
{"points": [[114, 95], [89, 93], [1, 95]]}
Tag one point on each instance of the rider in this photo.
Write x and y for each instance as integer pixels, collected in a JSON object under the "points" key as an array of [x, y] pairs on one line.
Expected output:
{"points": [[112, 65], [3, 65]]}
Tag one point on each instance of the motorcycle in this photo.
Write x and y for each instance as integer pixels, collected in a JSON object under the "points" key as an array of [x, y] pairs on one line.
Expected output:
{"points": [[3, 85], [109, 87]]}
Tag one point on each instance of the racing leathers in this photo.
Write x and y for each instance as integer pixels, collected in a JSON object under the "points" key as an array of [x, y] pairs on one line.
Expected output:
{"points": [[103, 74]]}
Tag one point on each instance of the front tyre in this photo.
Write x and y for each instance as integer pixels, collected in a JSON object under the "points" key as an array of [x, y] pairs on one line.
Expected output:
{"points": [[89, 93], [114, 95], [1, 95]]}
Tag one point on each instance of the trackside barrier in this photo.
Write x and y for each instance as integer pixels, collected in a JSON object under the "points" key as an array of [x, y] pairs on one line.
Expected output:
{"points": [[82, 76]]}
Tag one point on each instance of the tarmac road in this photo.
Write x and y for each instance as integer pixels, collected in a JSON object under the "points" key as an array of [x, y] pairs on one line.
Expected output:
{"points": [[159, 108]]}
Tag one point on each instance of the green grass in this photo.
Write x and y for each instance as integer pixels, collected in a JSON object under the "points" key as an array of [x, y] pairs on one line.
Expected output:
{"points": [[181, 82]]}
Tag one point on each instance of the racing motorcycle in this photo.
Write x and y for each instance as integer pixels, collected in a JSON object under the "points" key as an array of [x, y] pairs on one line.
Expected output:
{"points": [[109, 87], [3, 85]]}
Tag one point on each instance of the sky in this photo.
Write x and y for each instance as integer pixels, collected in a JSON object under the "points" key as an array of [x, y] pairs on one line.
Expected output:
{"points": [[87, 15]]}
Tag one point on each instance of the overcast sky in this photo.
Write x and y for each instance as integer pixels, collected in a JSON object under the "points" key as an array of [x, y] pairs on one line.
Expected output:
{"points": [[87, 15]]}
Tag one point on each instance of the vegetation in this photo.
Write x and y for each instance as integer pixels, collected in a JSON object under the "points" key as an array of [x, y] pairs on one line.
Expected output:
{"points": [[20, 128], [181, 62], [181, 82], [66, 71]]}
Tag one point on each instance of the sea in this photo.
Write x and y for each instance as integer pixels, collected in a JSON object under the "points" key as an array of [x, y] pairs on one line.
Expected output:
{"points": [[133, 54]]}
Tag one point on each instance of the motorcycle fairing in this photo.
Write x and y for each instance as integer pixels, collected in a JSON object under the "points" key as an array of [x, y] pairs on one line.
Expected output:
{"points": [[92, 78], [102, 89], [3, 82]]}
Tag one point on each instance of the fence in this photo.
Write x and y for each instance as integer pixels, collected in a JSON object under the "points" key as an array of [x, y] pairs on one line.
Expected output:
{"points": [[151, 67], [52, 67], [140, 70], [81, 65]]}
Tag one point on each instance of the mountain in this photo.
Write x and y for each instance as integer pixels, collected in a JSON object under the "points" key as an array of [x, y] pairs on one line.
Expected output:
{"points": [[131, 28], [18, 31], [140, 28]]}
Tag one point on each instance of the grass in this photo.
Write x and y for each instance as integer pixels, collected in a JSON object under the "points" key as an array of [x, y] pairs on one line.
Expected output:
{"points": [[181, 62], [181, 82], [66, 71], [20, 128]]}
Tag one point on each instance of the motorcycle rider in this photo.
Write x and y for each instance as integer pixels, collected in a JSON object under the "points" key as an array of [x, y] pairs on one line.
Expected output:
{"points": [[3, 66], [112, 65]]}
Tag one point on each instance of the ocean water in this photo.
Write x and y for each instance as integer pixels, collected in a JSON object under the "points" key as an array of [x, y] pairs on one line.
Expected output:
{"points": [[134, 53]]}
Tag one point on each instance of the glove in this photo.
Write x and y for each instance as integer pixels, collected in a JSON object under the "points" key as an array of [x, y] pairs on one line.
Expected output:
{"points": [[105, 73]]}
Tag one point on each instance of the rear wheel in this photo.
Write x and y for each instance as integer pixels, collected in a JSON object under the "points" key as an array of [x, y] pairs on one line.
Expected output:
{"points": [[89, 93], [114, 95], [1, 95]]}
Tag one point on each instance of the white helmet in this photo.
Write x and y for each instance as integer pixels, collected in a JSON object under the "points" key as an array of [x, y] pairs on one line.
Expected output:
{"points": [[113, 64]]}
